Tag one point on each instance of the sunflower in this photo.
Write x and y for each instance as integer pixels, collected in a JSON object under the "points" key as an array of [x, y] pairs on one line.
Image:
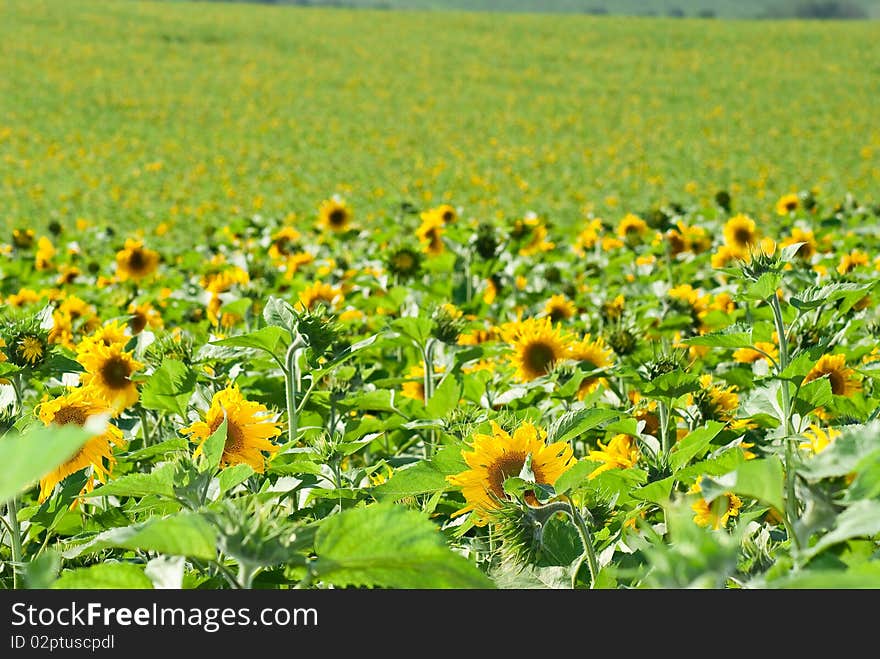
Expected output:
{"points": [[405, 262], [787, 203], [108, 371], [295, 262], [714, 401], [588, 237], [750, 355], [135, 261], [805, 236], [849, 262], [143, 316], [818, 439], [717, 513], [446, 213], [45, 253], [622, 452], [843, 380], [631, 228], [499, 456], [335, 215], [283, 242], [430, 235], [249, 427], [537, 346], [724, 256], [31, 349], [537, 236], [415, 387], [319, 293], [594, 353], [23, 297], [75, 408], [222, 281], [477, 336], [559, 308], [23, 238], [740, 234]]}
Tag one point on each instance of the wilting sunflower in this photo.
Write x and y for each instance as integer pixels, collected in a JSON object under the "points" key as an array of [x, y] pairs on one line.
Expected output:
{"points": [[559, 308], [249, 427], [843, 380], [537, 346], [740, 234], [593, 353], [320, 293], [717, 513], [498, 456], [335, 215], [430, 235], [143, 316], [75, 408], [135, 261], [622, 452], [818, 439], [787, 203], [108, 371]]}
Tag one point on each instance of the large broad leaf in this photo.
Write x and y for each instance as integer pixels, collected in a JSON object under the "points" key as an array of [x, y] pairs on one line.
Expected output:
{"points": [[816, 296], [123, 576], [764, 287], [266, 338], [27, 458], [423, 477], [391, 546], [865, 576], [183, 534], [417, 329], [694, 445], [862, 519], [169, 388], [758, 479], [159, 481], [278, 313], [657, 492], [672, 385], [735, 336], [445, 398], [212, 449], [576, 422]]}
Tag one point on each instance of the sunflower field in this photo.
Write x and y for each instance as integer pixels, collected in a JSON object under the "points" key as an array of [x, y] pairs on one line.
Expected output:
{"points": [[429, 391]]}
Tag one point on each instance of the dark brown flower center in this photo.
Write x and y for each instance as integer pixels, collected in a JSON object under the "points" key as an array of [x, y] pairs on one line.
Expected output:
{"points": [[509, 464], [138, 322], [448, 215], [115, 373], [337, 217], [137, 260], [837, 382], [538, 357], [70, 416], [742, 236]]}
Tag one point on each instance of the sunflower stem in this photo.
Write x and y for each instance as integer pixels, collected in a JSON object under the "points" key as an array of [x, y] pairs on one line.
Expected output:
{"points": [[15, 531], [142, 413], [664, 432], [292, 382], [790, 513], [428, 359], [587, 541]]}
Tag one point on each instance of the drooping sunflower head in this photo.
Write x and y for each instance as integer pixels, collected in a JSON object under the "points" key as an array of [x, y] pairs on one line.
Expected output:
{"points": [[75, 408], [787, 203], [537, 346], [843, 380], [135, 261], [335, 215], [501, 455], [559, 308], [740, 233], [249, 429], [109, 370], [430, 235]]}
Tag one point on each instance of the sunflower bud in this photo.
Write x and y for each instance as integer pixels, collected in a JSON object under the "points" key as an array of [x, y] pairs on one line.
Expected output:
{"points": [[176, 345], [405, 262], [26, 341], [521, 533], [622, 341], [448, 324], [321, 331], [723, 199], [765, 259]]}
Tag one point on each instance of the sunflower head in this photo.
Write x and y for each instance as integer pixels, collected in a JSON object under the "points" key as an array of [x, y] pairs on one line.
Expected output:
{"points": [[405, 262], [76, 408], [501, 455], [631, 229], [109, 371], [26, 341], [536, 346], [430, 235], [23, 238], [740, 233], [135, 261], [715, 402], [718, 511], [559, 308], [319, 294], [843, 380], [142, 316], [249, 429], [486, 240], [593, 354], [623, 341], [787, 203], [335, 215]]}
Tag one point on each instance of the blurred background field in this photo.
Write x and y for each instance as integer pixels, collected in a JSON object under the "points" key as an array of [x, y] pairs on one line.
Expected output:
{"points": [[140, 113]]}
